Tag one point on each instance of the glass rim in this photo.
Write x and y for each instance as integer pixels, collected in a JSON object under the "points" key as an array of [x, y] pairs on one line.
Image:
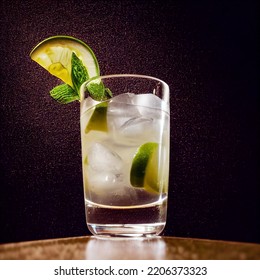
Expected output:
{"points": [[141, 76]]}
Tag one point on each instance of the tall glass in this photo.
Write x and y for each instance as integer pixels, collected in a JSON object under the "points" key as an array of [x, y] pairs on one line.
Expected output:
{"points": [[125, 155]]}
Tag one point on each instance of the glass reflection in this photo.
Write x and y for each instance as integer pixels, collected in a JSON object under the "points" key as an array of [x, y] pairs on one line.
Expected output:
{"points": [[125, 248]]}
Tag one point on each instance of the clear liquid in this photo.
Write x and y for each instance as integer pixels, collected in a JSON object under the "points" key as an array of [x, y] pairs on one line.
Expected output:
{"points": [[113, 206], [127, 221]]}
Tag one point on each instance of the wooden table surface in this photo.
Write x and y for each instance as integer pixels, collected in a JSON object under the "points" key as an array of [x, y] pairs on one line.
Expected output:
{"points": [[166, 248]]}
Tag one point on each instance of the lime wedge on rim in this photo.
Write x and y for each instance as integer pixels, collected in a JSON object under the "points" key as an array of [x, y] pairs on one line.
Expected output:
{"points": [[144, 169], [55, 53]]}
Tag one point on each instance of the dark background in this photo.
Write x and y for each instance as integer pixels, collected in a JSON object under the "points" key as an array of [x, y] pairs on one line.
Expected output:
{"points": [[206, 51]]}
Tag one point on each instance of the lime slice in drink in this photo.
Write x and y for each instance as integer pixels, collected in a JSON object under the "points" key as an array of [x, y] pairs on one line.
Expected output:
{"points": [[55, 55], [98, 119], [144, 169]]}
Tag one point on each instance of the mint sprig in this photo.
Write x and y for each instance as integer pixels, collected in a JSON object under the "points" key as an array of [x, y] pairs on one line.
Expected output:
{"points": [[64, 93]]}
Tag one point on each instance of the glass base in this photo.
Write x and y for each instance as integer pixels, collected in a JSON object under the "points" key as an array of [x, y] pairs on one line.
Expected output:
{"points": [[126, 230]]}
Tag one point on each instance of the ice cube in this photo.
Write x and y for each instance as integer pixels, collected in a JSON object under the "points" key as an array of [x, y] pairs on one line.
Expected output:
{"points": [[132, 117], [121, 106], [123, 98], [103, 182], [103, 169], [108, 188], [136, 126], [101, 158], [148, 101], [120, 110]]}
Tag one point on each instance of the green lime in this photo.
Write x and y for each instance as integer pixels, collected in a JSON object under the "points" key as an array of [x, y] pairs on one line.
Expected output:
{"points": [[144, 170], [98, 119], [55, 55]]}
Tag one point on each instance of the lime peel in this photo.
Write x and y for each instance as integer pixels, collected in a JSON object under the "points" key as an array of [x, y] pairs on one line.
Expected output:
{"points": [[144, 169]]}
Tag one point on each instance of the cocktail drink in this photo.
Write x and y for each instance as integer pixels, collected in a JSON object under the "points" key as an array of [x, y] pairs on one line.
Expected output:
{"points": [[124, 134], [125, 155]]}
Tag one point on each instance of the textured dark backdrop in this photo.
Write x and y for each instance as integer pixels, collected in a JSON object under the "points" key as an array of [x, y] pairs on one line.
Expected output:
{"points": [[205, 51]]}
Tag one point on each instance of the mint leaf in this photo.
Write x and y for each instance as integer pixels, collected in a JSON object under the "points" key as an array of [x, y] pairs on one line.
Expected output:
{"points": [[64, 94], [98, 91], [79, 73]]}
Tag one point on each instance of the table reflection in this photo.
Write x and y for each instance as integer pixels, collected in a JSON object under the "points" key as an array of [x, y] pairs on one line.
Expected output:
{"points": [[99, 248]]}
